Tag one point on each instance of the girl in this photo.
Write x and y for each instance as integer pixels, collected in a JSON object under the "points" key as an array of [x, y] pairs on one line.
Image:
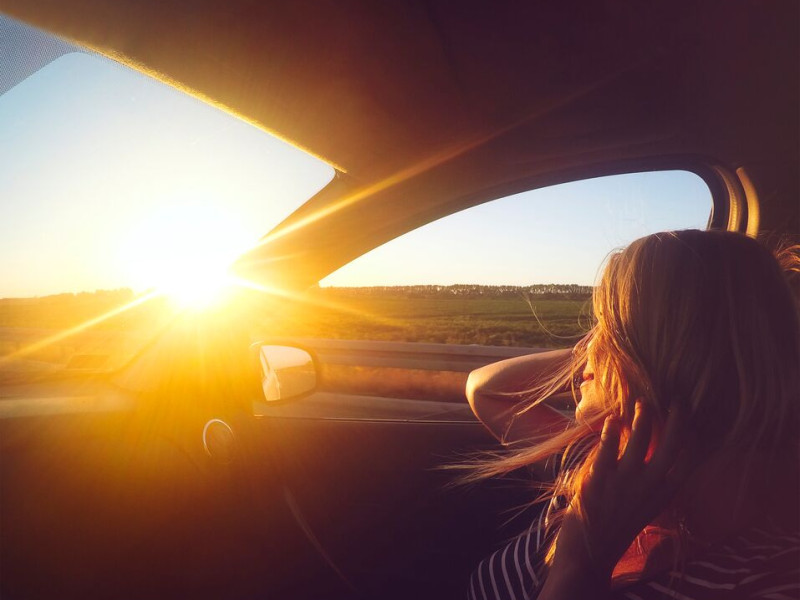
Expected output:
{"points": [[679, 474]]}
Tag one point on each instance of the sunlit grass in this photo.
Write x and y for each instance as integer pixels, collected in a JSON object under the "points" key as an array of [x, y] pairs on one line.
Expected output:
{"points": [[315, 303], [73, 331], [68, 329]]}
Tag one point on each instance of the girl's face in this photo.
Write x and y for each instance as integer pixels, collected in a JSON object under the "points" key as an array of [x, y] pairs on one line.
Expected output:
{"points": [[590, 402]]}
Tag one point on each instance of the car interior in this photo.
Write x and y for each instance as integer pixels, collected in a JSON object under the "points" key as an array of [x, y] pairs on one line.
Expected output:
{"points": [[184, 474]]}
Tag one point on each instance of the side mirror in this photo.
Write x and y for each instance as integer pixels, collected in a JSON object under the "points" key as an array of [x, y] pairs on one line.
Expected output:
{"points": [[286, 372]]}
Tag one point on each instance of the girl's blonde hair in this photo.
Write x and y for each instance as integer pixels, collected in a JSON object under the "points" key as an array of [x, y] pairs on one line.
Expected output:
{"points": [[701, 320]]}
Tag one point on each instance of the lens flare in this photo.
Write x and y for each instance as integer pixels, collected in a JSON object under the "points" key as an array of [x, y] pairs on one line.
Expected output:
{"points": [[184, 253]]}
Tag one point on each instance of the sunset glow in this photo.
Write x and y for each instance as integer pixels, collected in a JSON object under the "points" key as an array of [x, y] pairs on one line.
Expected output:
{"points": [[196, 291], [146, 187], [184, 252]]}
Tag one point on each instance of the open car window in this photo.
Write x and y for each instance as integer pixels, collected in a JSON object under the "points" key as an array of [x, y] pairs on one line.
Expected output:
{"points": [[517, 271], [497, 280]]}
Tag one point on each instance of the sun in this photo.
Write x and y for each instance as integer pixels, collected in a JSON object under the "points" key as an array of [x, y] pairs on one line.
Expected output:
{"points": [[184, 252], [194, 290]]}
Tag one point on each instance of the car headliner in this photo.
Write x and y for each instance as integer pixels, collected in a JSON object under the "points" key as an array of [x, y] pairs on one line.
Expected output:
{"points": [[428, 106]]}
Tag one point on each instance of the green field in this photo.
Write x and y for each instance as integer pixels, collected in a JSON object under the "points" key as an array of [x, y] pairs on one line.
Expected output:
{"points": [[544, 316], [399, 315]]}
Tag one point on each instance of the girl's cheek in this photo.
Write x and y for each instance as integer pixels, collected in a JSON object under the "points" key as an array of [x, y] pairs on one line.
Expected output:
{"points": [[589, 405]]}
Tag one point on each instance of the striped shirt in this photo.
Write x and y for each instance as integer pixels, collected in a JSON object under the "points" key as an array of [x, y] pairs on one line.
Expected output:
{"points": [[760, 564]]}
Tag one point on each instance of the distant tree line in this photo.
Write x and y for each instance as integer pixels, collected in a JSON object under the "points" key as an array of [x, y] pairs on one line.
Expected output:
{"points": [[539, 290], [122, 295], [68, 310]]}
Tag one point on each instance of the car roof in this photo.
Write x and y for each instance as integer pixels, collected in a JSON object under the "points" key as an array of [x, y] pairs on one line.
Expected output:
{"points": [[426, 107]]}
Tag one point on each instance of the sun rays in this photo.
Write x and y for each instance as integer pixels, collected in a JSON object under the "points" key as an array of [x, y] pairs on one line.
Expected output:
{"points": [[73, 331], [198, 300], [312, 302], [193, 273], [440, 158]]}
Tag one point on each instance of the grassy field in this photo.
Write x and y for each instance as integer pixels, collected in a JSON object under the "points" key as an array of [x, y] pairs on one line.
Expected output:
{"points": [[395, 315], [452, 315]]}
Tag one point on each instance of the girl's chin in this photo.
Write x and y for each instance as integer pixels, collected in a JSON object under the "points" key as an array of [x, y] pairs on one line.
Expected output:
{"points": [[585, 415]]}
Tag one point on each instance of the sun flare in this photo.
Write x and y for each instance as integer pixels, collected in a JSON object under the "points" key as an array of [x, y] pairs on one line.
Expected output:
{"points": [[196, 291], [184, 253]]}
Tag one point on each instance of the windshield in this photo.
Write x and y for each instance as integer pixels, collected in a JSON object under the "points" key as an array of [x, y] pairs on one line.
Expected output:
{"points": [[122, 199]]}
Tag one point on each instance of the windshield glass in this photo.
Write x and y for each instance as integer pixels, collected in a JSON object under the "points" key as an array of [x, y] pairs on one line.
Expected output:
{"points": [[120, 195]]}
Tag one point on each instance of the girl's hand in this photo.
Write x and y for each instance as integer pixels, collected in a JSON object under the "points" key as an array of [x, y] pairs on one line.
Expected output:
{"points": [[619, 497]]}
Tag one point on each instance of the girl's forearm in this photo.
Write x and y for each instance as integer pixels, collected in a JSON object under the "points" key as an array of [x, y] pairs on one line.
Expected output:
{"points": [[495, 391]]}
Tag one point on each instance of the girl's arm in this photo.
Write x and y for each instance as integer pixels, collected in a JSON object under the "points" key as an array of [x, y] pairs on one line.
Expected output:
{"points": [[496, 391]]}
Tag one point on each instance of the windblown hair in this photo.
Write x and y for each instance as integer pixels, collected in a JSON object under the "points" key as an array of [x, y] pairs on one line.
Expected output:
{"points": [[700, 320]]}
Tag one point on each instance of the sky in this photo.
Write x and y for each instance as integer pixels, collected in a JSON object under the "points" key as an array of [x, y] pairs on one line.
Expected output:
{"points": [[106, 175], [110, 179], [559, 234]]}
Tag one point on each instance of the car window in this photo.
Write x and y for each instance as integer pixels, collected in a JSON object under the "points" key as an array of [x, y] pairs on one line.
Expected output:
{"points": [[517, 271], [500, 279]]}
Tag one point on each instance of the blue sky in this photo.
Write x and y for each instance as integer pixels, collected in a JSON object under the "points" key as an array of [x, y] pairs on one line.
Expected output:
{"points": [[110, 179], [559, 234]]}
